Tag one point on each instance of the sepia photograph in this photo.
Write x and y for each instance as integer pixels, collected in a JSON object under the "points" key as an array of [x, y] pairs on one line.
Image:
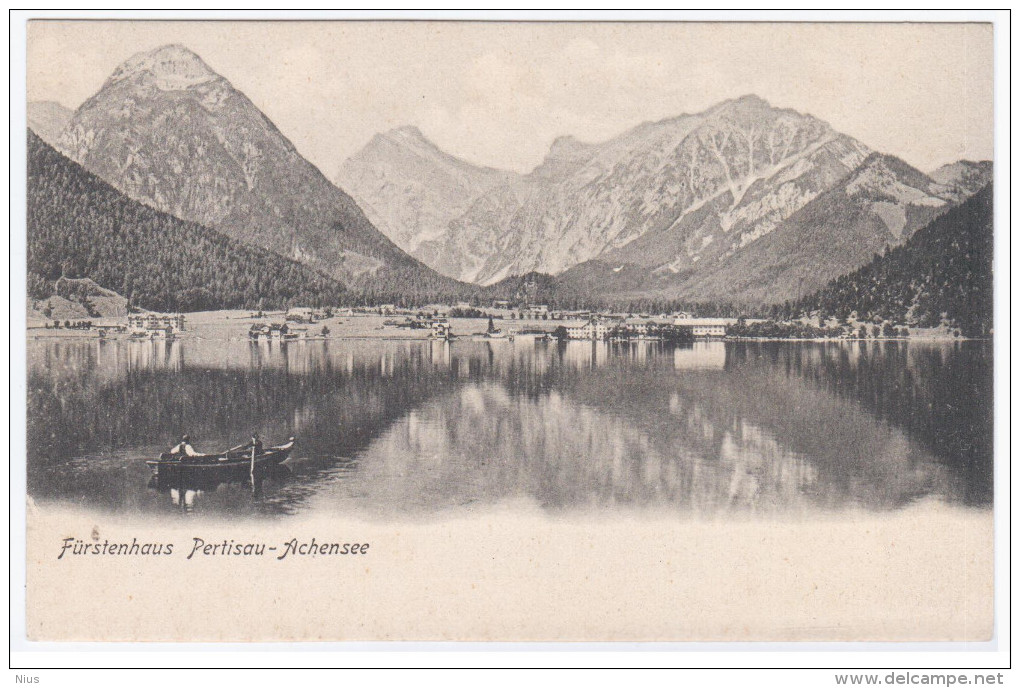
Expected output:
{"points": [[509, 331]]}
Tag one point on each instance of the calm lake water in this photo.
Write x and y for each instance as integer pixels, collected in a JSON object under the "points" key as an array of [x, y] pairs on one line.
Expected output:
{"points": [[391, 428]]}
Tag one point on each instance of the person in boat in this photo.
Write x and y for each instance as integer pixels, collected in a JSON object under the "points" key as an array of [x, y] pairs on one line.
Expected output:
{"points": [[184, 448], [254, 443]]}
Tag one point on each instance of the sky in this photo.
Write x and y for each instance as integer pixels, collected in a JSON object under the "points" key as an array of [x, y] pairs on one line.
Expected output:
{"points": [[497, 94]]}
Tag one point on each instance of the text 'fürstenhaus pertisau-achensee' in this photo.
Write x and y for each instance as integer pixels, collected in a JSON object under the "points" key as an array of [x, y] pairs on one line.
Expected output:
{"points": [[197, 548]]}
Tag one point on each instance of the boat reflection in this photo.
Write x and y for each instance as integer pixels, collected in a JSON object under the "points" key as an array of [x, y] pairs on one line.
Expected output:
{"points": [[185, 491]]}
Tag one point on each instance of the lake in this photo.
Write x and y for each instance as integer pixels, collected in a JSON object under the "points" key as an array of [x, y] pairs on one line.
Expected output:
{"points": [[390, 429]]}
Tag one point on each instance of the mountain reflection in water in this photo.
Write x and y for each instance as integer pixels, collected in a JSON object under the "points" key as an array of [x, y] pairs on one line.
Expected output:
{"points": [[388, 427]]}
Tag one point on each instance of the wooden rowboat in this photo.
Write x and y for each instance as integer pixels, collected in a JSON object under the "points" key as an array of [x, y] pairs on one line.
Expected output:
{"points": [[172, 468]]}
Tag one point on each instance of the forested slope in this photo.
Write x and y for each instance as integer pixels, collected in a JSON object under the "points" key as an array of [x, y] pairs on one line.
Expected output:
{"points": [[79, 226], [941, 275]]}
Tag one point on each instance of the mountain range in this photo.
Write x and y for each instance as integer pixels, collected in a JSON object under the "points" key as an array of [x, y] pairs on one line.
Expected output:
{"points": [[878, 204], [744, 202]]}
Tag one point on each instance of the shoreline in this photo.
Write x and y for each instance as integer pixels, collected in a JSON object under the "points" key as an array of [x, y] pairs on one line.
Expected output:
{"points": [[235, 324], [918, 338], [94, 335]]}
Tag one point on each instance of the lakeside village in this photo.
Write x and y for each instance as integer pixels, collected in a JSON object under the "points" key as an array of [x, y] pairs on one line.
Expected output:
{"points": [[502, 320]]}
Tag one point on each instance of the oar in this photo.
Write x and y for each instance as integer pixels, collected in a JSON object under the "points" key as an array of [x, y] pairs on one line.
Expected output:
{"points": [[256, 486]]}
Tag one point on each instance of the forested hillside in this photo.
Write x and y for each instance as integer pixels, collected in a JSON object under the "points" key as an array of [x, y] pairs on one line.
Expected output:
{"points": [[79, 226], [942, 274]]}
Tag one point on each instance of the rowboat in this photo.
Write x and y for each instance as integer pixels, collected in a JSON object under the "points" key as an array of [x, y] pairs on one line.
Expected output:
{"points": [[170, 468]]}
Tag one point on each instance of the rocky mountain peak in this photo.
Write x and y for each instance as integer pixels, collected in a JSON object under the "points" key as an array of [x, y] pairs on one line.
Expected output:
{"points": [[407, 132], [753, 112], [745, 104], [170, 67], [884, 160], [880, 169], [411, 189], [565, 153], [967, 173], [407, 137], [751, 100], [566, 145]]}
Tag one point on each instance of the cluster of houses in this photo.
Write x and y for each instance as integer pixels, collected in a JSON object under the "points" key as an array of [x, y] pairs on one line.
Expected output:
{"points": [[620, 327], [709, 329], [441, 328], [277, 332], [304, 315], [593, 329], [155, 325]]}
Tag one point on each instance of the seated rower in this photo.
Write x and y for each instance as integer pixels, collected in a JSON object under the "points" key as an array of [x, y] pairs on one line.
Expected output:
{"points": [[254, 443], [184, 448]]}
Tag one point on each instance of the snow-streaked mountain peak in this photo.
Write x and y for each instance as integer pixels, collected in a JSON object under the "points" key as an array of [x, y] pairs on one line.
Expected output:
{"points": [[171, 67]]}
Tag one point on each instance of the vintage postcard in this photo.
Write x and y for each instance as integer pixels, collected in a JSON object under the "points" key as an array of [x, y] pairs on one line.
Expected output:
{"points": [[509, 331]]}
